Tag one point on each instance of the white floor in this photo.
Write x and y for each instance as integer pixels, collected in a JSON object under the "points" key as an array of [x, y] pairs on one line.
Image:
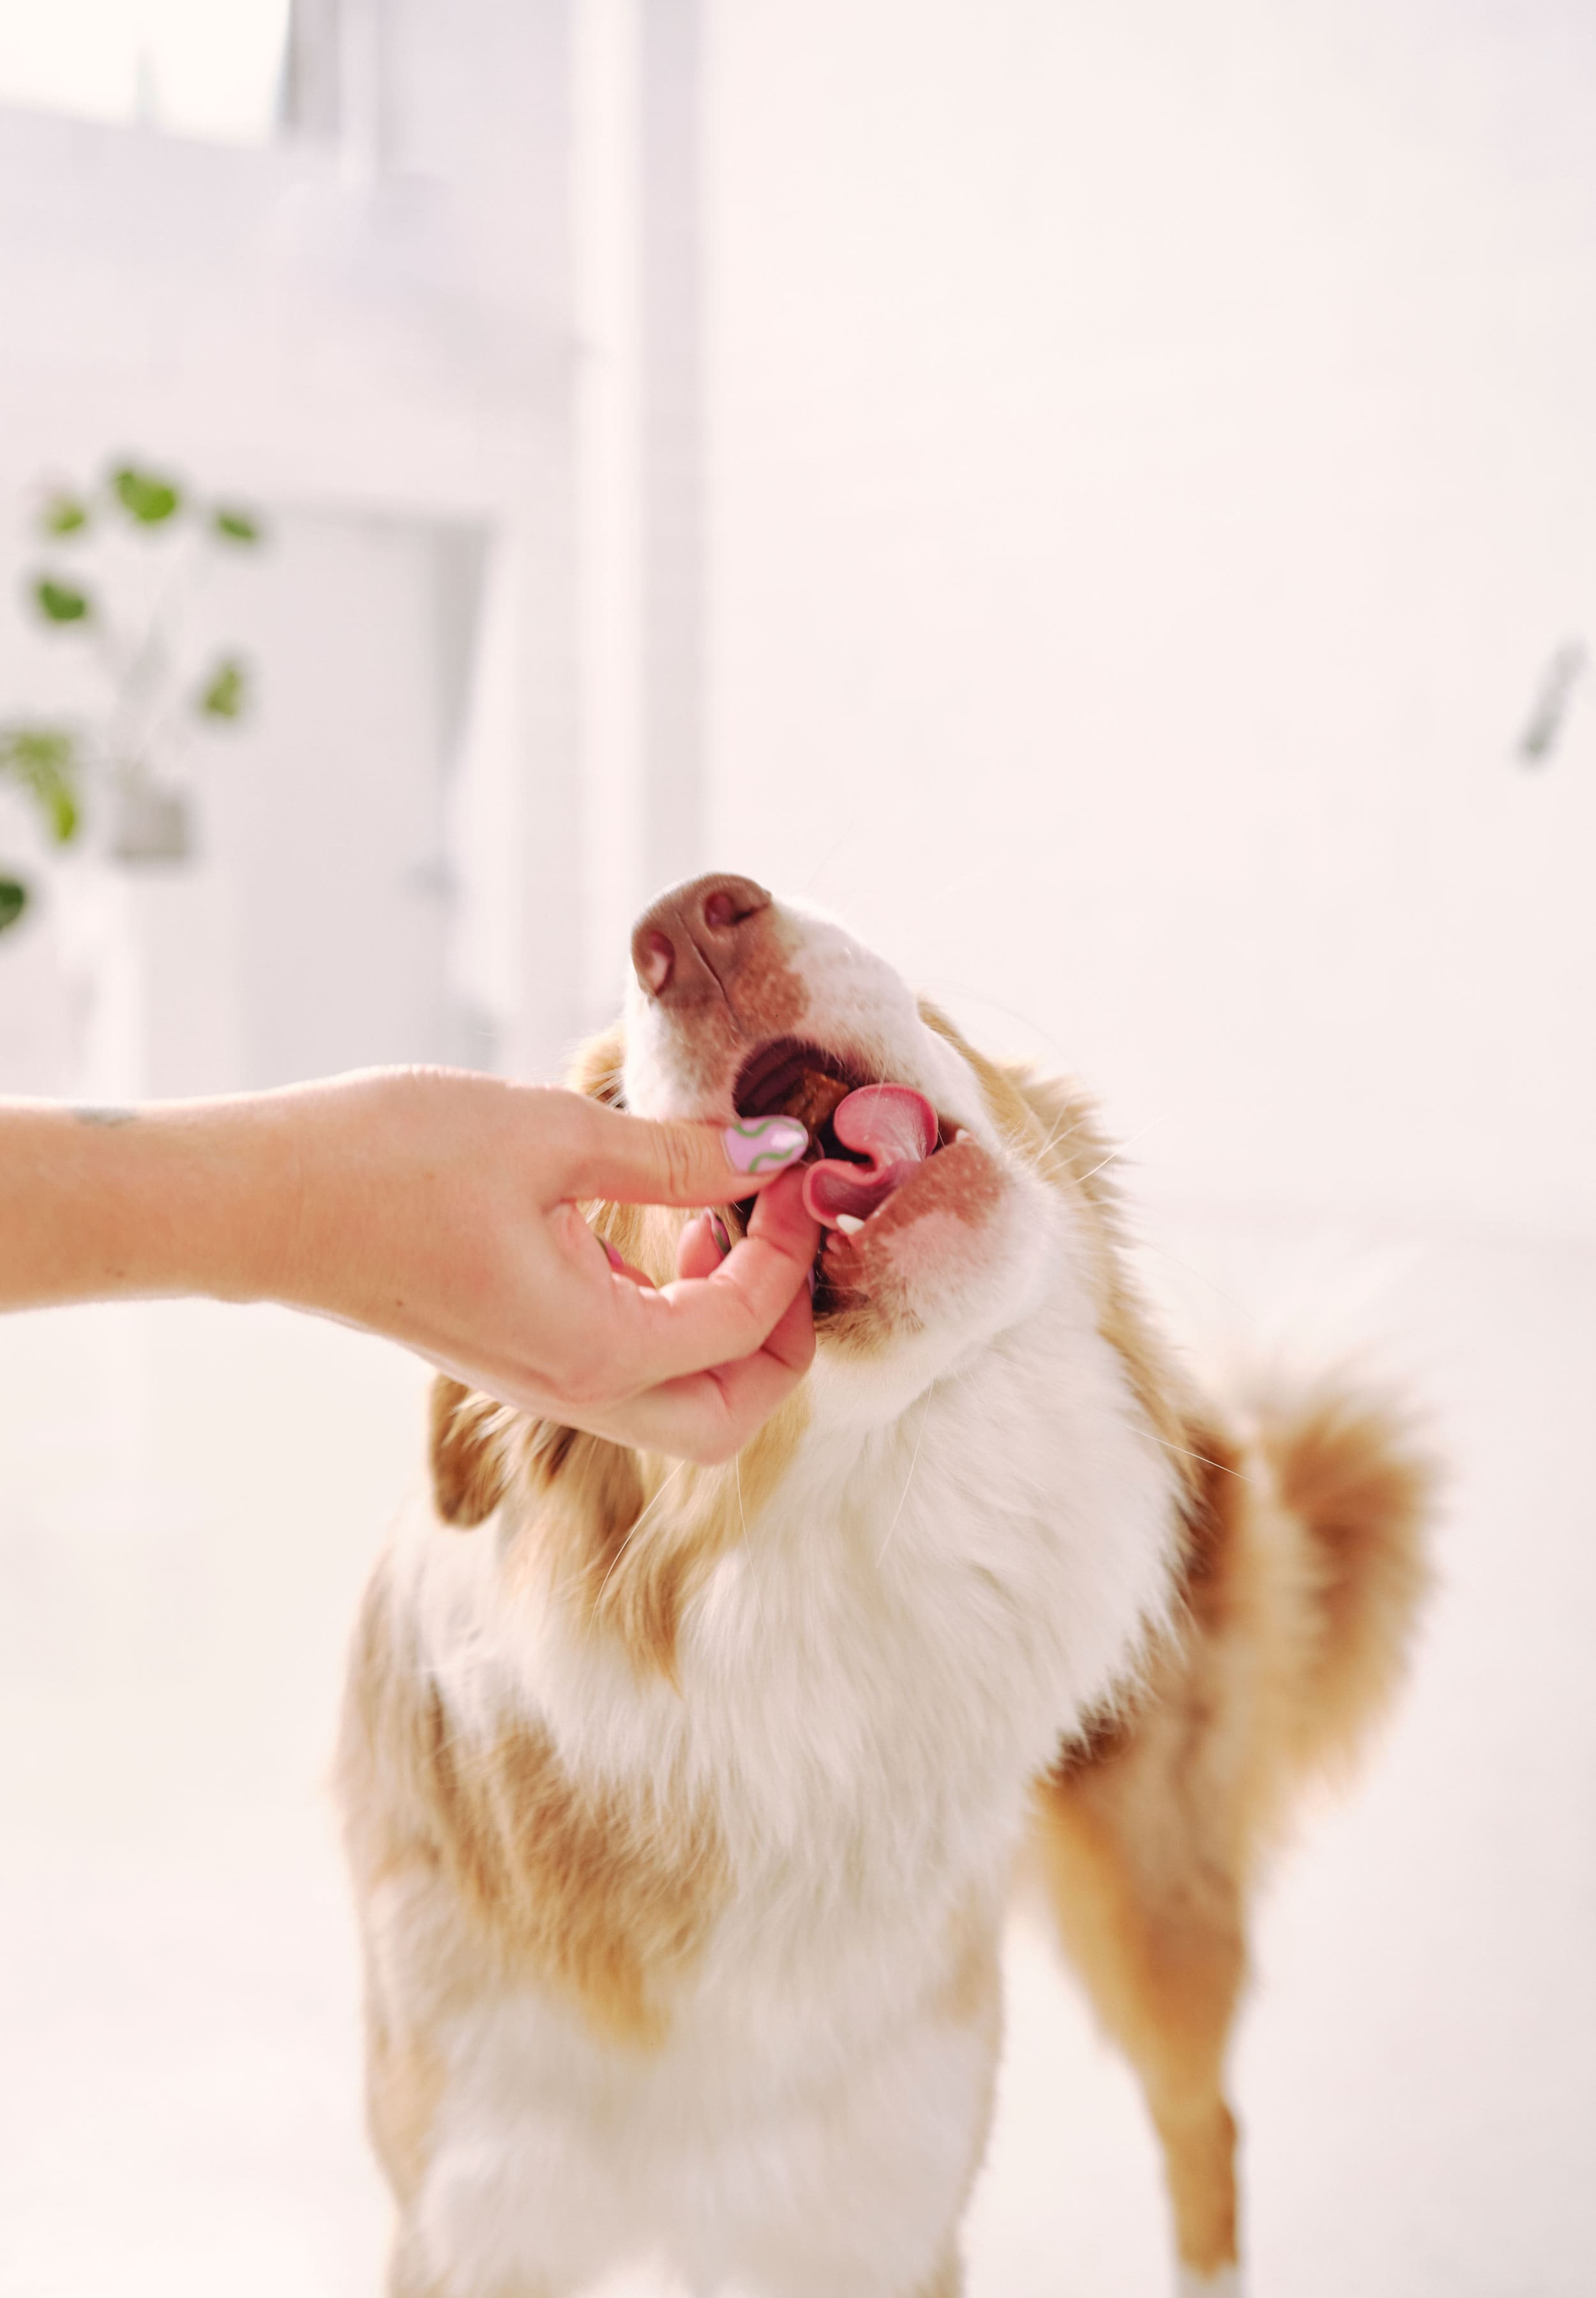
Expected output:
{"points": [[191, 1498]]}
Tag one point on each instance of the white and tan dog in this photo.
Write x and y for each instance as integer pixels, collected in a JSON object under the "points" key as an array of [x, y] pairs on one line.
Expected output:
{"points": [[682, 1802]]}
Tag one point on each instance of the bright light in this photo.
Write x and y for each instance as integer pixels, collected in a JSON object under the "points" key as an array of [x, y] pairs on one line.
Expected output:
{"points": [[197, 67]]}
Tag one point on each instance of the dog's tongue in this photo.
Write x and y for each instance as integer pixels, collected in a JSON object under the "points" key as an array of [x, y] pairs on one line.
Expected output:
{"points": [[892, 1125]]}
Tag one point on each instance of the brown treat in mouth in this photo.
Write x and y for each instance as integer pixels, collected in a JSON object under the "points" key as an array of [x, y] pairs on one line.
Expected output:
{"points": [[816, 1096]]}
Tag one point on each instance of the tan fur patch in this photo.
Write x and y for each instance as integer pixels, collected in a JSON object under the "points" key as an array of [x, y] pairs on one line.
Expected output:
{"points": [[583, 1889], [467, 1451], [1053, 1125], [1151, 1917], [623, 1538], [1347, 1468], [1304, 1568]]}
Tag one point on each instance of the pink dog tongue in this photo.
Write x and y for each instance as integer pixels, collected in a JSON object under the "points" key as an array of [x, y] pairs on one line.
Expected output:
{"points": [[891, 1125]]}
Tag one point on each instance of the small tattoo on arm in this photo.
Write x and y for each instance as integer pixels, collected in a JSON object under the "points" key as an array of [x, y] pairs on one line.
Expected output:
{"points": [[104, 1116]]}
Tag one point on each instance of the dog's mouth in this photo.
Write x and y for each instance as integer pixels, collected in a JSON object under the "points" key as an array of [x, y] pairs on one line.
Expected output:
{"points": [[868, 1136]]}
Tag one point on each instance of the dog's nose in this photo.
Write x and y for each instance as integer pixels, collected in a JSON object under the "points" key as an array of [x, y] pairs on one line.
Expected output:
{"points": [[690, 942]]}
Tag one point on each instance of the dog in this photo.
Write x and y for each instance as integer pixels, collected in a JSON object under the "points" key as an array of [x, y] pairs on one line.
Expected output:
{"points": [[682, 1802]]}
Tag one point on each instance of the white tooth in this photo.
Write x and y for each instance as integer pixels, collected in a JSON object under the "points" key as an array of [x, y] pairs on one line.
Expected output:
{"points": [[849, 1224]]}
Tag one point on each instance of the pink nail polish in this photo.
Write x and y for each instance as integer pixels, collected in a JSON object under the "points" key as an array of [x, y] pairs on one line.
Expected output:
{"points": [[721, 1234], [618, 1260], [764, 1145]]}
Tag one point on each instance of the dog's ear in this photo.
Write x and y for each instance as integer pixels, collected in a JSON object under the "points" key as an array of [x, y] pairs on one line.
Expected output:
{"points": [[469, 1451]]}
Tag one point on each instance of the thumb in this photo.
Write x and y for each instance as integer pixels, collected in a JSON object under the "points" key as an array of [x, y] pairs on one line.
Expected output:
{"points": [[643, 1161]]}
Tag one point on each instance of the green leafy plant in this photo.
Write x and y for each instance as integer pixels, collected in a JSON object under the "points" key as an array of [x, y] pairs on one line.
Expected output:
{"points": [[150, 500], [58, 603], [226, 692], [63, 514], [44, 760], [125, 748]]}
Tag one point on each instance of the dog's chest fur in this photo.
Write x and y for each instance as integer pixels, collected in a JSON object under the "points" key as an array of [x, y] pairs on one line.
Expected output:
{"points": [[865, 1684], [719, 1953]]}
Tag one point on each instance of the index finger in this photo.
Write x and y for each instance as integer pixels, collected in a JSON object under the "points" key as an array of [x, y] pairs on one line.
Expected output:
{"points": [[645, 1161]]}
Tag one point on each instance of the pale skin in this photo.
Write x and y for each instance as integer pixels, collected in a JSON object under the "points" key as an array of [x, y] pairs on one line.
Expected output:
{"points": [[441, 1209]]}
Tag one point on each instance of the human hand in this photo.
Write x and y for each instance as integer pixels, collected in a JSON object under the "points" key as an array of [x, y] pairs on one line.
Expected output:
{"points": [[443, 1209]]}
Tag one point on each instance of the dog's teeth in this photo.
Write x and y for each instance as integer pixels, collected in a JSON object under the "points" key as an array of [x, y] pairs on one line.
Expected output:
{"points": [[849, 1224]]}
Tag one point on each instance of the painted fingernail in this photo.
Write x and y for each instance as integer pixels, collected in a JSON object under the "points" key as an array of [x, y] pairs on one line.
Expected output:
{"points": [[617, 1258], [810, 1280], [720, 1233], [764, 1145]]}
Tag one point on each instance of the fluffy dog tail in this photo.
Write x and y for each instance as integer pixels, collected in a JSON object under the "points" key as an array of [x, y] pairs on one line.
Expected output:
{"points": [[1355, 1489]]}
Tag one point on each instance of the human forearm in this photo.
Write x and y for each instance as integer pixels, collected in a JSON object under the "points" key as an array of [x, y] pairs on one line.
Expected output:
{"points": [[172, 1198]]}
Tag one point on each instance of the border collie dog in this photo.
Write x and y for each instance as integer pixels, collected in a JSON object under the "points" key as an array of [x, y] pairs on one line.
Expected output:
{"points": [[684, 1801]]}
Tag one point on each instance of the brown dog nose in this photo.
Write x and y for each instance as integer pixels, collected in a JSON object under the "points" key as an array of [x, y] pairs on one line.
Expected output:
{"points": [[690, 942]]}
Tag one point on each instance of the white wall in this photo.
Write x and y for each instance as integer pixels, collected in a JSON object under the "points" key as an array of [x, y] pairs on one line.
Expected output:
{"points": [[1151, 464]]}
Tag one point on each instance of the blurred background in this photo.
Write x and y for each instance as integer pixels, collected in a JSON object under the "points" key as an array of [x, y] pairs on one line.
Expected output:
{"points": [[1103, 498]]}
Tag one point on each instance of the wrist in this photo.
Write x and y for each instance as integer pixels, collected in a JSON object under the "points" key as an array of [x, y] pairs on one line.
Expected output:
{"points": [[235, 1171]]}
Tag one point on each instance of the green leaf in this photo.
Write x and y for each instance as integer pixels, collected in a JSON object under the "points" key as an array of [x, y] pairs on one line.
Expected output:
{"points": [[63, 514], [237, 525], [145, 496], [13, 901], [60, 602], [44, 760], [227, 695]]}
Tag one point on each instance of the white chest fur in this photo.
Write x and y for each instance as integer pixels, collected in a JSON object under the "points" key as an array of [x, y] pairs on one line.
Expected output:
{"points": [[869, 1681]]}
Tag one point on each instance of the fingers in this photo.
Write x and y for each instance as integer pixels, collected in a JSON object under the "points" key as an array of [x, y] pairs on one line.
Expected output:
{"points": [[700, 1249], [639, 1161], [696, 1323], [710, 1416], [702, 1246], [624, 1268]]}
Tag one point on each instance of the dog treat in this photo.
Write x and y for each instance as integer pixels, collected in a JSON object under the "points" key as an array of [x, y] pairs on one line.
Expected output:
{"points": [[818, 1095], [893, 1129]]}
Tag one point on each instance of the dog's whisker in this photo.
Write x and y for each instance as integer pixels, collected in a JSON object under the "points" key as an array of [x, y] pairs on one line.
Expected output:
{"points": [[1119, 1149], [636, 1528], [1059, 1135], [1222, 1466], [908, 1480], [965, 878], [1144, 1244], [946, 988], [826, 860]]}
